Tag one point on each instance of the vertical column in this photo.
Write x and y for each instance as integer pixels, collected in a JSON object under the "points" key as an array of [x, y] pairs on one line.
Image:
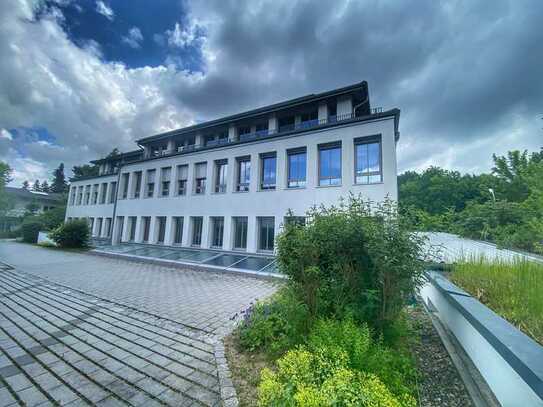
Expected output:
{"points": [[255, 173], [281, 170], [312, 165], [210, 181], [199, 140], [347, 162], [297, 120], [139, 232], [206, 232], [232, 133], [126, 229], [131, 176], [344, 107], [273, 124], [228, 233], [190, 179], [171, 146], [152, 230], [168, 237], [252, 234], [231, 175], [277, 229], [187, 238]]}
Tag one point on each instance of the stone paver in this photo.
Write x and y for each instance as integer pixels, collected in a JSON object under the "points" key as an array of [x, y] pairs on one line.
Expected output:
{"points": [[77, 329]]}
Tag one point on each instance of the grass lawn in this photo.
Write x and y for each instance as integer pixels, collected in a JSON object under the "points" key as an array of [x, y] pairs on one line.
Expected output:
{"points": [[513, 290]]}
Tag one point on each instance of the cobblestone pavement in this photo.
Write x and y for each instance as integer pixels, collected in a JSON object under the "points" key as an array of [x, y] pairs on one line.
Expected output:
{"points": [[204, 300], [111, 345]]}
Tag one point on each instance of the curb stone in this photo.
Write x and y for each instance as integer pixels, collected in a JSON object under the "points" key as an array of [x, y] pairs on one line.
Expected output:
{"points": [[228, 392]]}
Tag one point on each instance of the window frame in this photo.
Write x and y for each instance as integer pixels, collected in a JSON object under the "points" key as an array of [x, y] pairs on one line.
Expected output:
{"points": [[220, 188], [366, 141], [200, 220], [291, 153], [267, 186], [260, 221], [243, 186], [200, 182], [214, 236], [327, 147], [236, 221]]}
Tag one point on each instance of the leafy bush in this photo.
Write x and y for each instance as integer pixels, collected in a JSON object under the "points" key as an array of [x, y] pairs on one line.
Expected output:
{"points": [[30, 229], [11, 234], [275, 325], [315, 379], [72, 234], [358, 258], [53, 218]]}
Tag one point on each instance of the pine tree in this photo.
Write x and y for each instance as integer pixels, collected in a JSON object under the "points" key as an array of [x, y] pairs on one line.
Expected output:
{"points": [[45, 187], [59, 184], [36, 187], [26, 185]]}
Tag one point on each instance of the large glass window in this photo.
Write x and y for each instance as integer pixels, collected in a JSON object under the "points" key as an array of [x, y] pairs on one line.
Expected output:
{"points": [[87, 194], [113, 192], [95, 194], [132, 225], [221, 170], [330, 164], [99, 227], [108, 227], [73, 193], [266, 232], [146, 228], [103, 193], [296, 162], [137, 184], [244, 174], [268, 171], [182, 176], [161, 224], [240, 232], [165, 175], [200, 174], [368, 161], [80, 196], [124, 181], [197, 222], [217, 224], [178, 230], [150, 183]]}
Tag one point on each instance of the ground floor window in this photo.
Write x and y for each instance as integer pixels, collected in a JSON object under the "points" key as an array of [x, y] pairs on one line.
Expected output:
{"points": [[197, 222], [178, 230], [266, 232], [218, 231], [240, 232], [132, 228], [108, 227], [99, 227], [146, 228], [119, 226], [91, 226], [161, 221]]}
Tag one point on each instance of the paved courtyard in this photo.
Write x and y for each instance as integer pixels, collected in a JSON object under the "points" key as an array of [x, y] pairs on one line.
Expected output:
{"points": [[78, 329]]}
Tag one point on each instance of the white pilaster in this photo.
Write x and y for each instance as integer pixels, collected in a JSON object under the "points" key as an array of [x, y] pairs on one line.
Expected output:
{"points": [[206, 226], [312, 166], [168, 237], [251, 234], [228, 233], [323, 112]]}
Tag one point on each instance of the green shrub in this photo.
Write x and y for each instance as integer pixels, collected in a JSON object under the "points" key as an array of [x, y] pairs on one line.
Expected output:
{"points": [[275, 325], [30, 229], [72, 234], [358, 258], [11, 234], [53, 218], [309, 379]]}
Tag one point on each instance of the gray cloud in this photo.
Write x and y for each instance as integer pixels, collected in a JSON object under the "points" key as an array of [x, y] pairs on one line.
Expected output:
{"points": [[466, 76]]}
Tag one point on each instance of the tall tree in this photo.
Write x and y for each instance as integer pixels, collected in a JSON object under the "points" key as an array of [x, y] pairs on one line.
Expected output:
{"points": [[59, 184], [5, 178], [36, 187], [82, 171], [45, 186], [26, 185]]}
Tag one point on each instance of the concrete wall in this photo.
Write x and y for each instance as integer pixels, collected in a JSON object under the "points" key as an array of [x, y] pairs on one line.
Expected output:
{"points": [[255, 203]]}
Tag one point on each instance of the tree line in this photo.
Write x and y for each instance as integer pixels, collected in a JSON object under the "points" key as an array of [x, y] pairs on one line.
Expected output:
{"points": [[58, 183], [504, 206]]}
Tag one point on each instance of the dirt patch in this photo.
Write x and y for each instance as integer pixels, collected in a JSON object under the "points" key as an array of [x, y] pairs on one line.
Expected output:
{"points": [[245, 368]]}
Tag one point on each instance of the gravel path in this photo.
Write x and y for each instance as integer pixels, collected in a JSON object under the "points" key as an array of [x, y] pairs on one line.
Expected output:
{"points": [[440, 384]]}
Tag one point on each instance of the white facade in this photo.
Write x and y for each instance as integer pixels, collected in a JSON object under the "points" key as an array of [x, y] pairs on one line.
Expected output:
{"points": [[217, 211]]}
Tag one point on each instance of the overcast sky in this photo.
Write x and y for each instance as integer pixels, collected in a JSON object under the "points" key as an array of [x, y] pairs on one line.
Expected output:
{"points": [[78, 78]]}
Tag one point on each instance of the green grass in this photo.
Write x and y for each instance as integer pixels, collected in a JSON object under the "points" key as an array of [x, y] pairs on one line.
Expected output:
{"points": [[514, 290]]}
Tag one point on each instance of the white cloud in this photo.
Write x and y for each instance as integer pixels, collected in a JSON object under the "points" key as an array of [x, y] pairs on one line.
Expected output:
{"points": [[134, 38], [6, 135], [105, 10], [183, 37]]}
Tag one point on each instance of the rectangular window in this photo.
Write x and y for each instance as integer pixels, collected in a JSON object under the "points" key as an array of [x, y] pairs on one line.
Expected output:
{"points": [[266, 232], [309, 119], [217, 224], [221, 169], [124, 181], [103, 193], [80, 196], [146, 228], [108, 227], [91, 226], [150, 191], [178, 230], [73, 194], [368, 160], [99, 227], [197, 222], [95, 193], [132, 228], [240, 232], [200, 174], [161, 225], [296, 167], [244, 174], [87, 194], [113, 192], [137, 184], [182, 176], [330, 164], [268, 171], [165, 175]]}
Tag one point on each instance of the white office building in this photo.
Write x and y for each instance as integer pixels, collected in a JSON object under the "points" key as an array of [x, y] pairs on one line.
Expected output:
{"points": [[228, 183]]}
